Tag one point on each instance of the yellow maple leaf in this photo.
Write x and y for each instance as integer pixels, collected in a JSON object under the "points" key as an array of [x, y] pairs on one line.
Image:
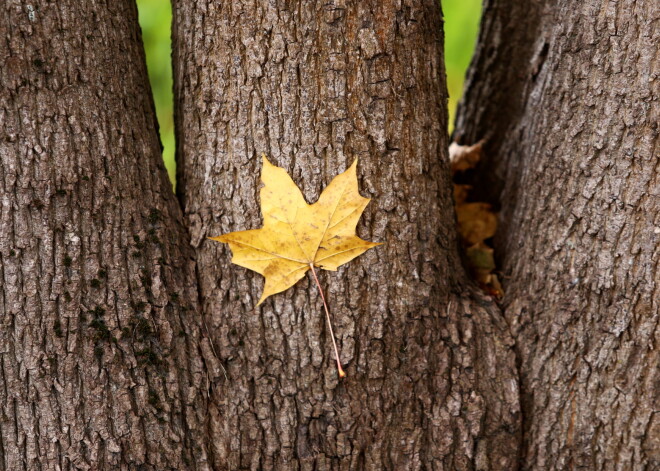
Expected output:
{"points": [[297, 236]]}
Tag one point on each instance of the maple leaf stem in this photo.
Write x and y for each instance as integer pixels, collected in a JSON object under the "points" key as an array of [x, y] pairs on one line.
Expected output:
{"points": [[327, 316]]}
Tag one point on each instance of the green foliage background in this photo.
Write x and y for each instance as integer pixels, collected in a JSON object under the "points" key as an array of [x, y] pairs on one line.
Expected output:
{"points": [[156, 20], [461, 26]]}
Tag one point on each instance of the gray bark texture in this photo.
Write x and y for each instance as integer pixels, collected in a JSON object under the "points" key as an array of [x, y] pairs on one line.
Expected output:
{"points": [[100, 336], [431, 375], [567, 94]]}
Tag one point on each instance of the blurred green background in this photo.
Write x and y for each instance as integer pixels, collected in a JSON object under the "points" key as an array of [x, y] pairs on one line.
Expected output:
{"points": [[461, 27], [156, 19]]}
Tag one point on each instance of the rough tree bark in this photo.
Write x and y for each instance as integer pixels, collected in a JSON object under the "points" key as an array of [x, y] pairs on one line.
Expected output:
{"points": [[100, 333], [431, 379], [573, 159]]}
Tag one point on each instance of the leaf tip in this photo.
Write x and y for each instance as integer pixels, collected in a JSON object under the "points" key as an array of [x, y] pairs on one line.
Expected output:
{"points": [[352, 170], [264, 296], [265, 161]]}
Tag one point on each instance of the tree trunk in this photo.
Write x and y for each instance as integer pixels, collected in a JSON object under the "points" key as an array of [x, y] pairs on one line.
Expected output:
{"points": [[567, 93], [431, 377], [100, 360]]}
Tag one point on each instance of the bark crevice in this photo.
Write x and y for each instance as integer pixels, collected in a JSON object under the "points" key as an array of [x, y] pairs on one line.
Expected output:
{"points": [[511, 45]]}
